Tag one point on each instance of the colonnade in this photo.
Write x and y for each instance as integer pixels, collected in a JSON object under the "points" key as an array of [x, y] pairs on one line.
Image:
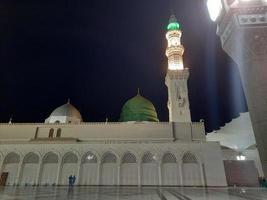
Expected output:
{"points": [[108, 169]]}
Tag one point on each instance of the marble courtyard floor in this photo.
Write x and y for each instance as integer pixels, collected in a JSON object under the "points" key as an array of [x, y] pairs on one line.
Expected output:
{"points": [[131, 193]]}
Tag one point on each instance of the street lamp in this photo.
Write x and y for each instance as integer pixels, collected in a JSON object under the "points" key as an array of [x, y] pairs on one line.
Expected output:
{"points": [[242, 28]]}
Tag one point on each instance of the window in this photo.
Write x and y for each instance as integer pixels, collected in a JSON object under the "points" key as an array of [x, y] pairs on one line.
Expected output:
{"points": [[51, 132], [59, 133]]}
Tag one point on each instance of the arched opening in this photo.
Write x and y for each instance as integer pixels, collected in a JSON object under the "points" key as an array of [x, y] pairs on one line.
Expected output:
{"points": [[51, 132], [69, 167], [109, 170], [129, 170], [29, 169], [89, 169], [149, 170], [10, 165], [59, 133], [191, 170], [169, 170], [49, 169]]}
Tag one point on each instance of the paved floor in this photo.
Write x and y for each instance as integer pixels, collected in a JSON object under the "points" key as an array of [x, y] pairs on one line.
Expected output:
{"points": [[131, 193]]}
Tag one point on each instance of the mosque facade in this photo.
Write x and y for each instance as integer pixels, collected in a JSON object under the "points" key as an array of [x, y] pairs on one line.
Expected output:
{"points": [[137, 150]]}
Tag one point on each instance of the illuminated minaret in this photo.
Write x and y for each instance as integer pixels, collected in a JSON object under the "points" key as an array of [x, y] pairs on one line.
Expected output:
{"points": [[177, 75]]}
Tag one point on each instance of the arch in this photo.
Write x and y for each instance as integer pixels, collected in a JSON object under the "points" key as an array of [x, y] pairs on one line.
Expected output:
{"points": [[129, 169], [169, 158], [149, 169], [89, 169], [109, 158], [128, 158], [12, 157], [89, 157], [109, 169], [10, 165], [51, 133], [49, 170], [191, 170], [29, 169], [169, 170], [69, 167]]}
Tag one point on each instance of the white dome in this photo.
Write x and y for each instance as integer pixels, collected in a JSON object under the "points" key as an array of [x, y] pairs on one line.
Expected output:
{"points": [[66, 113]]}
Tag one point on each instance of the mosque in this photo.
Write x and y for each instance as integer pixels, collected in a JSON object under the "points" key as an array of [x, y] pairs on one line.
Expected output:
{"points": [[137, 150]]}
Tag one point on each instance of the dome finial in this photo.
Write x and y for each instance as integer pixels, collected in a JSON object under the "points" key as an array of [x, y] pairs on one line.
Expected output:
{"points": [[138, 91], [173, 24], [68, 100]]}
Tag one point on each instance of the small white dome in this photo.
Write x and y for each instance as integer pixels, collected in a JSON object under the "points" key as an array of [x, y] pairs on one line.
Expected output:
{"points": [[66, 113]]}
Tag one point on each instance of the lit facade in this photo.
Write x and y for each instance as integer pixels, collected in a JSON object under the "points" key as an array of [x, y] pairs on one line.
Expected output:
{"points": [[137, 150]]}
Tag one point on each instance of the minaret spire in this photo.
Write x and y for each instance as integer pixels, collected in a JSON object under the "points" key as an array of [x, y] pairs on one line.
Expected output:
{"points": [[177, 75]]}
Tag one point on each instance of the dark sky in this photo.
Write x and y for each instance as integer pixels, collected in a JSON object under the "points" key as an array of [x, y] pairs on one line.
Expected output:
{"points": [[97, 53]]}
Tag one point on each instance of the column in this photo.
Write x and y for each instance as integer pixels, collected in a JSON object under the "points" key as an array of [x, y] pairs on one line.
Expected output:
{"points": [[119, 174], [139, 174], [1, 166], [39, 171], [160, 176], [58, 172], [202, 174], [181, 173], [20, 166], [98, 173], [79, 164]]}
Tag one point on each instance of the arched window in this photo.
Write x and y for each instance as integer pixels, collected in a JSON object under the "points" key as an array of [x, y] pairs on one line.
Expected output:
{"points": [[169, 158], [69, 166], [128, 158], [29, 169], [59, 133], [191, 170], [169, 170], [89, 169], [10, 165], [149, 170], [149, 158], [109, 158], [51, 132], [129, 170], [48, 174], [109, 169]]}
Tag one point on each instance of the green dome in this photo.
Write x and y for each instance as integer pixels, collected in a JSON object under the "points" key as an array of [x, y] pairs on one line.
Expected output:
{"points": [[138, 108], [173, 24]]}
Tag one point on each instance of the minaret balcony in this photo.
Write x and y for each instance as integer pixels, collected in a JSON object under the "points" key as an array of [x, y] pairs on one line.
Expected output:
{"points": [[175, 50]]}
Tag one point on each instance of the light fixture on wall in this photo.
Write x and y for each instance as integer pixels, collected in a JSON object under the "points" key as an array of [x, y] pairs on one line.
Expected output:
{"points": [[241, 157], [90, 157]]}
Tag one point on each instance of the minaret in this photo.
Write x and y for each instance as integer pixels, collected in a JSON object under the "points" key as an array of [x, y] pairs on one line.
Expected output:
{"points": [[177, 75]]}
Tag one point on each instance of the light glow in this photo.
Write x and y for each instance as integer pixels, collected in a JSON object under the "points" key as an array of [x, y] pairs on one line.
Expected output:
{"points": [[241, 157], [90, 157], [175, 66], [215, 8]]}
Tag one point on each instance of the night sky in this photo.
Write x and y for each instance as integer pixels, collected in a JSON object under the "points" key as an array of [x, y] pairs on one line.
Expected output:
{"points": [[97, 53]]}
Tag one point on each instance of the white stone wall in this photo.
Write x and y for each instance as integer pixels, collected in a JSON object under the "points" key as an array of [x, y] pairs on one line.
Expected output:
{"points": [[146, 165], [106, 131]]}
